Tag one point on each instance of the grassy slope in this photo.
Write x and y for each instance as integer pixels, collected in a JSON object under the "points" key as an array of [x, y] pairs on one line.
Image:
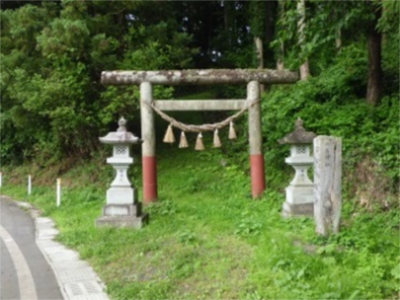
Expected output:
{"points": [[207, 239]]}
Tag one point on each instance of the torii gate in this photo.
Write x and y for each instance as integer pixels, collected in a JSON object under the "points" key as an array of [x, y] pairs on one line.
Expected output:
{"points": [[253, 78]]}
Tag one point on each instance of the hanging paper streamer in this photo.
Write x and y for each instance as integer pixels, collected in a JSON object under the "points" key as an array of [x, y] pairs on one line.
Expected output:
{"points": [[169, 135], [199, 142], [217, 140], [183, 142], [232, 133]]}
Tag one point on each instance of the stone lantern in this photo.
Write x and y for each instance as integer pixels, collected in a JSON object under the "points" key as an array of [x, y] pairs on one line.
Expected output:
{"points": [[300, 192], [122, 208]]}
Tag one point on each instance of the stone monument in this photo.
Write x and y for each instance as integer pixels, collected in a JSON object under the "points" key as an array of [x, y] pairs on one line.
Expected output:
{"points": [[300, 192], [122, 208]]}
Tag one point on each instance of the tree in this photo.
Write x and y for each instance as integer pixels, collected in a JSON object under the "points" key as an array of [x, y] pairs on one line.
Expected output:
{"points": [[301, 9], [52, 58], [257, 28], [331, 27], [374, 86]]}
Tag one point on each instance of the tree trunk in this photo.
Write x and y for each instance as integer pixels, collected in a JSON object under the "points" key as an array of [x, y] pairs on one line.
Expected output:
{"points": [[260, 56], [280, 65], [281, 52], [301, 9], [374, 88], [305, 70], [259, 52], [338, 32], [226, 15], [226, 22], [338, 40], [268, 32]]}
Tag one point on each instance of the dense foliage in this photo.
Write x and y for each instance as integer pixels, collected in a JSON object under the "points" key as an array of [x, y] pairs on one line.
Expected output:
{"points": [[51, 59], [52, 55]]}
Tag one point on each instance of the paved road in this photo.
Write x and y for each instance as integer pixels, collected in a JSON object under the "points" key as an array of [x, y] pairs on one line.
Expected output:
{"points": [[25, 273]]}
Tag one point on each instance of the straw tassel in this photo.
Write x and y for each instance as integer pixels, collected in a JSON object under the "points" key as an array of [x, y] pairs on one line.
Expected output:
{"points": [[232, 133], [183, 142], [199, 142], [217, 140], [169, 135]]}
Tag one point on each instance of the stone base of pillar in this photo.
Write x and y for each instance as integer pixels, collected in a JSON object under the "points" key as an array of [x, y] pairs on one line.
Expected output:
{"points": [[299, 201]]}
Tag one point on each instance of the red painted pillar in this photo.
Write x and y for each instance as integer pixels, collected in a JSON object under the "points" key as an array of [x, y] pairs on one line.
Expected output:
{"points": [[255, 140], [257, 175], [148, 145], [149, 179]]}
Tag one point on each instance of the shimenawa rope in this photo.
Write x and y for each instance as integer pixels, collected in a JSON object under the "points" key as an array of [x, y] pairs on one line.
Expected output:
{"points": [[203, 127]]}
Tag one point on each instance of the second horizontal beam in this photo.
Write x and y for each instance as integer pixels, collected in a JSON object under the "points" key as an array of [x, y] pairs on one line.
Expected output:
{"points": [[198, 105]]}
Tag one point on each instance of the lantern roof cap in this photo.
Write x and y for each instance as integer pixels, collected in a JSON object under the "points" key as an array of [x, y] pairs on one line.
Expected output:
{"points": [[121, 136], [299, 135]]}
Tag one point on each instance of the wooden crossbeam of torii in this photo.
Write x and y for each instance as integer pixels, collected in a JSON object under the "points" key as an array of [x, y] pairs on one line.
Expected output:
{"points": [[199, 77], [252, 77]]}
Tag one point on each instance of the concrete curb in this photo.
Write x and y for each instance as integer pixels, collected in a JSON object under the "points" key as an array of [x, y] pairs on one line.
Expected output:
{"points": [[76, 278]]}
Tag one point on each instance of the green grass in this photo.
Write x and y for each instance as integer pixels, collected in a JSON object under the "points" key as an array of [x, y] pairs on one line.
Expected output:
{"points": [[207, 239]]}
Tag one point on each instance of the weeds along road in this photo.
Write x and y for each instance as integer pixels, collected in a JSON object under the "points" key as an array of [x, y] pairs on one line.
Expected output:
{"points": [[25, 273]]}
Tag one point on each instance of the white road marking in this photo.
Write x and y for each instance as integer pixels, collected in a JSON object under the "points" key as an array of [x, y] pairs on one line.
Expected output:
{"points": [[25, 280]]}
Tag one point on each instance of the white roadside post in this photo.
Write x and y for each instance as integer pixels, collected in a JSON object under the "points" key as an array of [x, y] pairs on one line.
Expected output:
{"points": [[300, 192], [1, 179], [122, 208], [29, 184], [58, 192]]}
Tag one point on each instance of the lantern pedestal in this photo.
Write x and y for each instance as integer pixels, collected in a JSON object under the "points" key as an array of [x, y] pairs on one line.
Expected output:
{"points": [[122, 208], [300, 192], [122, 221]]}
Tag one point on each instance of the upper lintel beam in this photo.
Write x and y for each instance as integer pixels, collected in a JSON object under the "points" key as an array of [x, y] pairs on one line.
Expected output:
{"points": [[199, 77]]}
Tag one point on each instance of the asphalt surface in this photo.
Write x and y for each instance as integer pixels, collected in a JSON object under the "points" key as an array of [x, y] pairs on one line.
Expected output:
{"points": [[38, 281], [34, 266]]}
